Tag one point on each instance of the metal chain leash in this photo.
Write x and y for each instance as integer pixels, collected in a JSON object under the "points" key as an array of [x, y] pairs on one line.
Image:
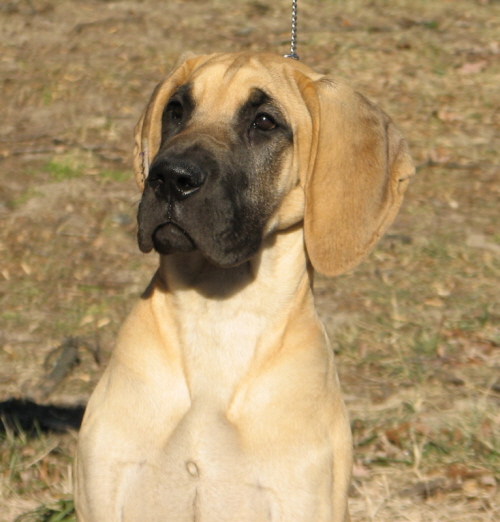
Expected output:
{"points": [[293, 40]]}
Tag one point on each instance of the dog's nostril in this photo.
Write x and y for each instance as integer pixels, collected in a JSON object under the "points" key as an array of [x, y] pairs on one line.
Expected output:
{"points": [[186, 179], [178, 179], [185, 183]]}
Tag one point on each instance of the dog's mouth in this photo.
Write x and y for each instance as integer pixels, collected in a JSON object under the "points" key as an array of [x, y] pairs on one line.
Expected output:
{"points": [[170, 237], [166, 238]]}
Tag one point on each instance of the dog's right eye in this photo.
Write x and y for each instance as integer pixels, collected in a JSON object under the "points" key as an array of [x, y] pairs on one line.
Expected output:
{"points": [[264, 122], [175, 111]]}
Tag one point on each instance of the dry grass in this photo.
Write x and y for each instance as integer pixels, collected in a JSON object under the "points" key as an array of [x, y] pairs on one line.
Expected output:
{"points": [[416, 328]]}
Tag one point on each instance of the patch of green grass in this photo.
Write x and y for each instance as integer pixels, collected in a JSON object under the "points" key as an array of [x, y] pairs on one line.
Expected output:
{"points": [[27, 461], [33, 464], [28, 291], [426, 344], [470, 436], [23, 198], [474, 322], [62, 170], [430, 440], [431, 24], [88, 288], [437, 250], [47, 95], [114, 175], [62, 511], [11, 316], [99, 308], [70, 322]]}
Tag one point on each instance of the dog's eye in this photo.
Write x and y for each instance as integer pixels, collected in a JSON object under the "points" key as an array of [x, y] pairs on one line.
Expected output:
{"points": [[264, 122], [175, 111]]}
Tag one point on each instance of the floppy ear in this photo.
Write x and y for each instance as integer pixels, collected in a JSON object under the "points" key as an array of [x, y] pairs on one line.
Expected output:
{"points": [[147, 132], [358, 172]]}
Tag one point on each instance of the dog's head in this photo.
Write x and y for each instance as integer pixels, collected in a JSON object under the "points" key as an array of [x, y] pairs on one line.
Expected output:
{"points": [[233, 147]]}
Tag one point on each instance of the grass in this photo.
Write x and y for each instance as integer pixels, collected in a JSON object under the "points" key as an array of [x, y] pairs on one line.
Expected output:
{"points": [[23, 198], [62, 511], [62, 170], [115, 175], [68, 166], [35, 464], [415, 328]]}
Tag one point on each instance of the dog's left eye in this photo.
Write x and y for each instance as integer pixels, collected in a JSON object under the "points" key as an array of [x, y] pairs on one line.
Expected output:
{"points": [[175, 111], [264, 122]]}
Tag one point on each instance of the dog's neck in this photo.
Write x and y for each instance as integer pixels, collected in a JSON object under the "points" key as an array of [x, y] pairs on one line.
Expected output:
{"points": [[227, 319], [192, 273]]}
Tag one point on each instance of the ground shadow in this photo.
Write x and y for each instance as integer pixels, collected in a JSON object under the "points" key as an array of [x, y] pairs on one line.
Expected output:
{"points": [[23, 415]]}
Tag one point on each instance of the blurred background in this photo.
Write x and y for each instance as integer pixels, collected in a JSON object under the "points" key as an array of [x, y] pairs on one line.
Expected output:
{"points": [[415, 328]]}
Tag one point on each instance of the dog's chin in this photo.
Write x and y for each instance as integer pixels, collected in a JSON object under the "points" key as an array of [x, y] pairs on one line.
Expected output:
{"points": [[169, 238]]}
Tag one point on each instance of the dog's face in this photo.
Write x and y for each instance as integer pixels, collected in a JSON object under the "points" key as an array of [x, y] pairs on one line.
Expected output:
{"points": [[235, 146], [216, 178]]}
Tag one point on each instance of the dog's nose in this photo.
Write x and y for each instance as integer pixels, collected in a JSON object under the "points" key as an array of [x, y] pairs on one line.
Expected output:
{"points": [[176, 178]]}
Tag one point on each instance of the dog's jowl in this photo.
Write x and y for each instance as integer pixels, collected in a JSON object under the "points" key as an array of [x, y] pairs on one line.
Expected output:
{"points": [[221, 401]]}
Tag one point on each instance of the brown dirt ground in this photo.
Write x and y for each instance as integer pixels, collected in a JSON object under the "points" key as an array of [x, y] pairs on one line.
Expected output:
{"points": [[416, 327]]}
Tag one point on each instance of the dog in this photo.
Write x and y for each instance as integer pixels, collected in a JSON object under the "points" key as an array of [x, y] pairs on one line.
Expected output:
{"points": [[221, 401]]}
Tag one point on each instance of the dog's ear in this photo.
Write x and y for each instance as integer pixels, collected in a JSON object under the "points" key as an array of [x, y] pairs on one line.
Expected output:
{"points": [[358, 171], [147, 132]]}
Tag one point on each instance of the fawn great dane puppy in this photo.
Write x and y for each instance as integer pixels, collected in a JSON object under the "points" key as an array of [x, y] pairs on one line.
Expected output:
{"points": [[221, 401]]}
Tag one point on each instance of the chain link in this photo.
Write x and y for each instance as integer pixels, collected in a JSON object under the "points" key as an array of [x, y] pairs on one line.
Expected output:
{"points": [[293, 40]]}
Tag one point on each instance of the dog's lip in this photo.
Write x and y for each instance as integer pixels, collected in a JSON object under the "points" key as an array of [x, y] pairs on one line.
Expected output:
{"points": [[175, 230], [174, 224]]}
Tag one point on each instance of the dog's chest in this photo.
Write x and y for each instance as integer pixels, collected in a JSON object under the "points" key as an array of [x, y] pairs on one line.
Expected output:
{"points": [[206, 472], [221, 428], [220, 340], [204, 466]]}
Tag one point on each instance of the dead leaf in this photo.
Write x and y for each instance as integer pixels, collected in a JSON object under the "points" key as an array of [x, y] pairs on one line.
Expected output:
{"points": [[26, 268], [87, 320], [8, 349], [458, 472], [359, 471], [394, 435], [479, 241], [103, 322], [488, 481], [441, 289], [448, 116], [434, 301], [473, 67], [439, 155], [471, 488]]}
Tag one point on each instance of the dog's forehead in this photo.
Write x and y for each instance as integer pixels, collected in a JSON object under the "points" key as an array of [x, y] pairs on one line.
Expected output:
{"points": [[221, 87]]}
